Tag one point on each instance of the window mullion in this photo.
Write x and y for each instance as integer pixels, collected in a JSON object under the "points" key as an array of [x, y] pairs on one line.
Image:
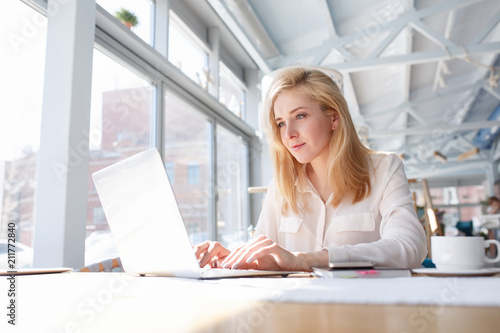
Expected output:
{"points": [[213, 191]]}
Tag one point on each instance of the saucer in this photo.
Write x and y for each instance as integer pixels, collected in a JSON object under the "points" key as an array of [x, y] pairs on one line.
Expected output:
{"points": [[488, 271]]}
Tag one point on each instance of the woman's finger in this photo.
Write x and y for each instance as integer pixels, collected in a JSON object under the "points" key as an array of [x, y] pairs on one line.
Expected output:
{"points": [[274, 254], [215, 250], [230, 259], [238, 260], [200, 248], [280, 255], [235, 253]]}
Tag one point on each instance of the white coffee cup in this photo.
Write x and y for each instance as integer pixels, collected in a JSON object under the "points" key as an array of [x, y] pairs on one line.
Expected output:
{"points": [[461, 253]]}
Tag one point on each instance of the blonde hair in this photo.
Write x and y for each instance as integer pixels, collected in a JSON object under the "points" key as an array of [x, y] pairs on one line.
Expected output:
{"points": [[349, 166]]}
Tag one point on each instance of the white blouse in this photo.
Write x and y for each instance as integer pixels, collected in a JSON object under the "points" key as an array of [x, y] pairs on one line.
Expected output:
{"points": [[383, 228]]}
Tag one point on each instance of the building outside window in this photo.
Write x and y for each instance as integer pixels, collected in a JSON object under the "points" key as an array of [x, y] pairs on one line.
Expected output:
{"points": [[120, 126], [187, 138], [169, 168], [193, 172], [232, 185], [99, 217], [22, 67]]}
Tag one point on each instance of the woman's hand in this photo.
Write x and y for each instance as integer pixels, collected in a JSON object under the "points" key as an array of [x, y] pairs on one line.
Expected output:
{"points": [[260, 253], [210, 253], [264, 254]]}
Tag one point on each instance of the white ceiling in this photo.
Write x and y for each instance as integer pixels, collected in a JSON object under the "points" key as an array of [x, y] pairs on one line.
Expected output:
{"points": [[415, 72]]}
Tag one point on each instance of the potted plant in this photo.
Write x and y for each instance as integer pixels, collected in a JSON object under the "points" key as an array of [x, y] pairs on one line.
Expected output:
{"points": [[126, 17]]}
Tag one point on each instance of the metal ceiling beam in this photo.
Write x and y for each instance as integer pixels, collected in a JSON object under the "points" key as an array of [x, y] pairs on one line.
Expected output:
{"points": [[431, 34], [458, 143], [405, 84], [353, 102], [325, 10], [333, 43], [432, 98], [440, 143], [412, 16], [415, 115], [470, 145], [407, 79], [332, 34], [396, 24], [348, 87], [418, 57], [488, 88], [320, 58], [442, 67], [444, 128], [233, 26], [486, 29], [436, 170], [388, 40]]}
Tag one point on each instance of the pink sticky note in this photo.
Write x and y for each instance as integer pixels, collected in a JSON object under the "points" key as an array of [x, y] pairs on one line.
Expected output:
{"points": [[372, 271]]}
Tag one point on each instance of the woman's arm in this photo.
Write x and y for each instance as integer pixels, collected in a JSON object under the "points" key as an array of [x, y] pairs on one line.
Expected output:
{"points": [[403, 241], [260, 253], [264, 254]]}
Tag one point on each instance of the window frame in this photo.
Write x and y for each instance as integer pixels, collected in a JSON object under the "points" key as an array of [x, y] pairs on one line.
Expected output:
{"points": [[167, 77], [112, 39], [238, 82]]}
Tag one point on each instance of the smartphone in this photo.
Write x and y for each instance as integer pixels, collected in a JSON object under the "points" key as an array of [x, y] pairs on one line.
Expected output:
{"points": [[351, 265]]}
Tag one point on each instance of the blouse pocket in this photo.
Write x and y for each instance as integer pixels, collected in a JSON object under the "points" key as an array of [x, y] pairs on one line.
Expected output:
{"points": [[290, 224], [354, 222]]}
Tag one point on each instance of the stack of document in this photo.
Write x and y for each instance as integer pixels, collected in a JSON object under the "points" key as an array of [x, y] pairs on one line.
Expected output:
{"points": [[370, 272]]}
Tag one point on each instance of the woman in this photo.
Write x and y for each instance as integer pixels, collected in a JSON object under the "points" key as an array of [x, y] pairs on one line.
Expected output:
{"points": [[331, 199], [493, 205]]}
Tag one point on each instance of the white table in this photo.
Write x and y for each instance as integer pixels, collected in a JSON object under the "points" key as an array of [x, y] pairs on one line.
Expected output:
{"points": [[117, 302]]}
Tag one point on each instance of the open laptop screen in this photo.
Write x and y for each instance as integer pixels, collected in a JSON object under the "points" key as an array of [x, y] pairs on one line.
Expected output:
{"points": [[143, 216]]}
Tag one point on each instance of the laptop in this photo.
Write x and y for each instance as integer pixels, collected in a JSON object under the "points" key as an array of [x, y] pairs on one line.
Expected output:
{"points": [[146, 222]]}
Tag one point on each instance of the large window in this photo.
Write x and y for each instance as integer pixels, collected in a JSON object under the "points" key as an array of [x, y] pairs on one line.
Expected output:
{"points": [[142, 9], [187, 157], [188, 53], [232, 184], [231, 91], [205, 160], [22, 67], [120, 126]]}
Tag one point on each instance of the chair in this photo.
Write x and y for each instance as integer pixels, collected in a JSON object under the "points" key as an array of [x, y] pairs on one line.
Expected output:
{"points": [[465, 227], [108, 265], [428, 263], [431, 224]]}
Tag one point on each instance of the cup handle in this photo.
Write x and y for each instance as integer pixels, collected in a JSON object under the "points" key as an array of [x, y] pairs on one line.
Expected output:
{"points": [[497, 243]]}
